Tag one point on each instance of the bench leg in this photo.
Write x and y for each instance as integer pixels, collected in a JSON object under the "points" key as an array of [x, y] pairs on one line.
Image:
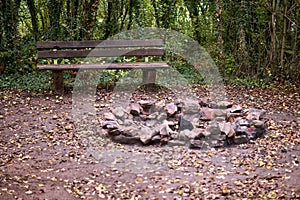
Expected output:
{"points": [[149, 76], [58, 80]]}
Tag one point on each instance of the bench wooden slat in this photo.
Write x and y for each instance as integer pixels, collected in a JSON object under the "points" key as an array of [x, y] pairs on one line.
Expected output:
{"points": [[137, 65], [98, 49], [100, 53], [98, 44]]}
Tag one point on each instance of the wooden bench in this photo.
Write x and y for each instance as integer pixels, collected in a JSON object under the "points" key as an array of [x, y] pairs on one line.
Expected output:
{"points": [[53, 51]]}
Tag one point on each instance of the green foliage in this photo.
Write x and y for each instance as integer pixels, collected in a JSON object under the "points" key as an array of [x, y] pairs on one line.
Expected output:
{"points": [[231, 66], [110, 76], [22, 58], [33, 81], [238, 34], [187, 71]]}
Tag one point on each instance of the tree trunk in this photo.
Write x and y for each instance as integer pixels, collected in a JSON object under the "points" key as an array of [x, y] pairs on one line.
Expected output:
{"points": [[34, 22], [242, 52], [218, 4], [108, 19], [10, 21], [273, 51], [130, 13], [194, 14], [124, 8], [283, 33], [90, 12], [156, 12], [294, 69], [1, 22], [168, 14], [55, 8]]}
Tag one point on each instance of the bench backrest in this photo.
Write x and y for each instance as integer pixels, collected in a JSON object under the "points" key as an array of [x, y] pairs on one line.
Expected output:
{"points": [[98, 48]]}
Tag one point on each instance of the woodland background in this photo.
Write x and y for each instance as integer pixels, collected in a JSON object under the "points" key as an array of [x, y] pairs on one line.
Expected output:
{"points": [[252, 42]]}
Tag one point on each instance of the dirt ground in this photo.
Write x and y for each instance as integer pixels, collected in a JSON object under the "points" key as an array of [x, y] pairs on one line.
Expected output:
{"points": [[42, 156]]}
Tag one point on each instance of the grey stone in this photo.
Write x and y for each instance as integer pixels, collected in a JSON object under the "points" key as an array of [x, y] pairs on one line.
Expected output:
{"points": [[258, 123], [185, 124], [126, 140], [129, 122], [221, 104], [155, 138], [220, 119], [145, 134], [120, 122], [255, 114], [235, 109], [110, 125], [161, 117], [146, 103], [206, 133], [220, 124], [234, 115], [165, 129], [178, 102], [218, 137], [152, 123], [114, 132], [220, 112], [217, 143], [119, 112], [225, 104], [190, 107], [130, 131], [153, 115], [176, 143], [195, 121], [241, 139], [228, 130], [240, 130], [189, 134], [196, 144], [109, 116], [214, 128], [200, 132], [171, 109], [181, 136], [158, 107]]}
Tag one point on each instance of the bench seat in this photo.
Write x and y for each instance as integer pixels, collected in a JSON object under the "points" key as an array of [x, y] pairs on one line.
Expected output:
{"points": [[54, 51], [136, 65]]}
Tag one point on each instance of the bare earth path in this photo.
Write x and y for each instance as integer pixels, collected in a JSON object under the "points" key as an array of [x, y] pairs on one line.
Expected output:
{"points": [[42, 156]]}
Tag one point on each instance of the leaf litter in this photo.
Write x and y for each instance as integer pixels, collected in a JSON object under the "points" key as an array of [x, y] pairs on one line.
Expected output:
{"points": [[42, 156]]}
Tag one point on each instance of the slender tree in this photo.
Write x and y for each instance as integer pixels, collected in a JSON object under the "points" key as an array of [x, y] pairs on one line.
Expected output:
{"points": [[220, 32], [55, 8], [34, 21], [10, 9]]}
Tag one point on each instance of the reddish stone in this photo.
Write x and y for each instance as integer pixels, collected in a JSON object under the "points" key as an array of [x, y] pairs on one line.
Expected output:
{"points": [[135, 108], [207, 114], [171, 109]]}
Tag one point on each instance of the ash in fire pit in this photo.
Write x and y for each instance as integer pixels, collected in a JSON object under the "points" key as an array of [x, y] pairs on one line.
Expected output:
{"points": [[191, 123]]}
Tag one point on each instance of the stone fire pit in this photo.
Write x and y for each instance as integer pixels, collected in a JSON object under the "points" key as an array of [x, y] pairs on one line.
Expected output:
{"points": [[178, 123]]}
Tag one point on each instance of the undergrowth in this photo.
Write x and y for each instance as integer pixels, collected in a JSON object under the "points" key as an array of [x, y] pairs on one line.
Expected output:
{"points": [[31, 81], [42, 80]]}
